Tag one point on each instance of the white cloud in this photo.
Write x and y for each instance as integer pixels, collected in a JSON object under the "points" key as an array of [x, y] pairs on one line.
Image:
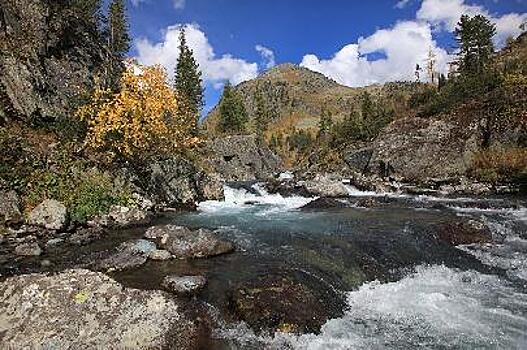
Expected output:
{"points": [[445, 14], [215, 69], [402, 4], [267, 55], [400, 47], [179, 4]]}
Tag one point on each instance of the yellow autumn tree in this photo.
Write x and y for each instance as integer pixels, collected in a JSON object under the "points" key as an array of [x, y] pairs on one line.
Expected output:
{"points": [[139, 120]]}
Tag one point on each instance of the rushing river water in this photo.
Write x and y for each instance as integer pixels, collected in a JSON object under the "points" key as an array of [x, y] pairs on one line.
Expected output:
{"points": [[376, 261], [403, 288]]}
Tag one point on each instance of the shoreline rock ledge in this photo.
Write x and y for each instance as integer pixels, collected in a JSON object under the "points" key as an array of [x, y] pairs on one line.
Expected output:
{"points": [[83, 309]]}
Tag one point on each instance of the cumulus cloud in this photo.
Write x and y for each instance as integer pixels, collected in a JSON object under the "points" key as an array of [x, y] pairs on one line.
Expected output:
{"points": [[215, 69], [402, 4], [267, 56], [398, 49], [444, 15], [179, 4]]}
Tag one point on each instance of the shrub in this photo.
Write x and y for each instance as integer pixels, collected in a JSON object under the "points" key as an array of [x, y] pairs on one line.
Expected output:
{"points": [[86, 192], [140, 120], [501, 165]]}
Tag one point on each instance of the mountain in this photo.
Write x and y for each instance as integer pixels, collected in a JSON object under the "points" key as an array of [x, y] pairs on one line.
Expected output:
{"points": [[297, 96]]}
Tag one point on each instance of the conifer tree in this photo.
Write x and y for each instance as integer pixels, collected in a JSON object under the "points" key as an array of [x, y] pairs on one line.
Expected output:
{"points": [[118, 37], [474, 36], [325, 124], [262, 115], [188, 82], [233, 115]]}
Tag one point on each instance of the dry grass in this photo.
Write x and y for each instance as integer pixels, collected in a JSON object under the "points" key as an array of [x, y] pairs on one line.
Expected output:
{"points": [[501, 165]]}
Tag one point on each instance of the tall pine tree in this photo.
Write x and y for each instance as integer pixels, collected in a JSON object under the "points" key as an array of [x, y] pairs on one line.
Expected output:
{"points": [[262, 115], [188, 82], [474, 36], [118, 36], [233, 115]]}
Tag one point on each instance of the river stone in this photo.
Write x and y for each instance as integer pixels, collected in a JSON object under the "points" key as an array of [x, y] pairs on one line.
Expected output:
{"points": [[184, 285], [125, 216], [85, 236], [50, 214], [28, 249], [81, 309], [326, 186], [184, 243], [9, 207], [159, 254], [127, 255]]}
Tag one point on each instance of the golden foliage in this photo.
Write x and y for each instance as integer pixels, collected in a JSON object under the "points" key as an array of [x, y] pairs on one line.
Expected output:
{"points": [[140, 120], [499, 165]]}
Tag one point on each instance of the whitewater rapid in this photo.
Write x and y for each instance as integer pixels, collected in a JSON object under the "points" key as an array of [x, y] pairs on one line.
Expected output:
{"points": [[433, 307]]}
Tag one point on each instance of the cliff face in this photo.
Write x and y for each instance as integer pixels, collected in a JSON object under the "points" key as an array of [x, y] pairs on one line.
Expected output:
{"points": [[49, 57]]}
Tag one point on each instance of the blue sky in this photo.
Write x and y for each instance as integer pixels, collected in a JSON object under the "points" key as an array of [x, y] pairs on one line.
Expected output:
{"points": [[354, 42]]}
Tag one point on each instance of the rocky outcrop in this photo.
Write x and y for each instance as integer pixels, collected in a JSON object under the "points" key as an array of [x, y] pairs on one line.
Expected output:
{"points": [[242, 158], [50, 54], [176, 181], [417, 149], [50, 214], [81, 309], [184, 243], [9, 207]]}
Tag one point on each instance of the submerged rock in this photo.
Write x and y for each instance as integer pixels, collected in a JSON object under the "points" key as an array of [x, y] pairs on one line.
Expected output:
{"points": [[184, 285], [49, 214], [324, 203], [275, 303], [81, 309], [184, 243], [464, 232]]}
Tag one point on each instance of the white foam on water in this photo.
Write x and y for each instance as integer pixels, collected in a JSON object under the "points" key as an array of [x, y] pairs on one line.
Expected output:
{"points": [[241, 199], [434, 308], [510, 253]]}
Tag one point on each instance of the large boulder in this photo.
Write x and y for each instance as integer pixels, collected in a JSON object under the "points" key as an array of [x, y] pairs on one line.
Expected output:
{"points": [[50, 55], [184, 243], [50, 214], [81, 309], [242, 158], [417, 149], [176, 181], [9, 207]]}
